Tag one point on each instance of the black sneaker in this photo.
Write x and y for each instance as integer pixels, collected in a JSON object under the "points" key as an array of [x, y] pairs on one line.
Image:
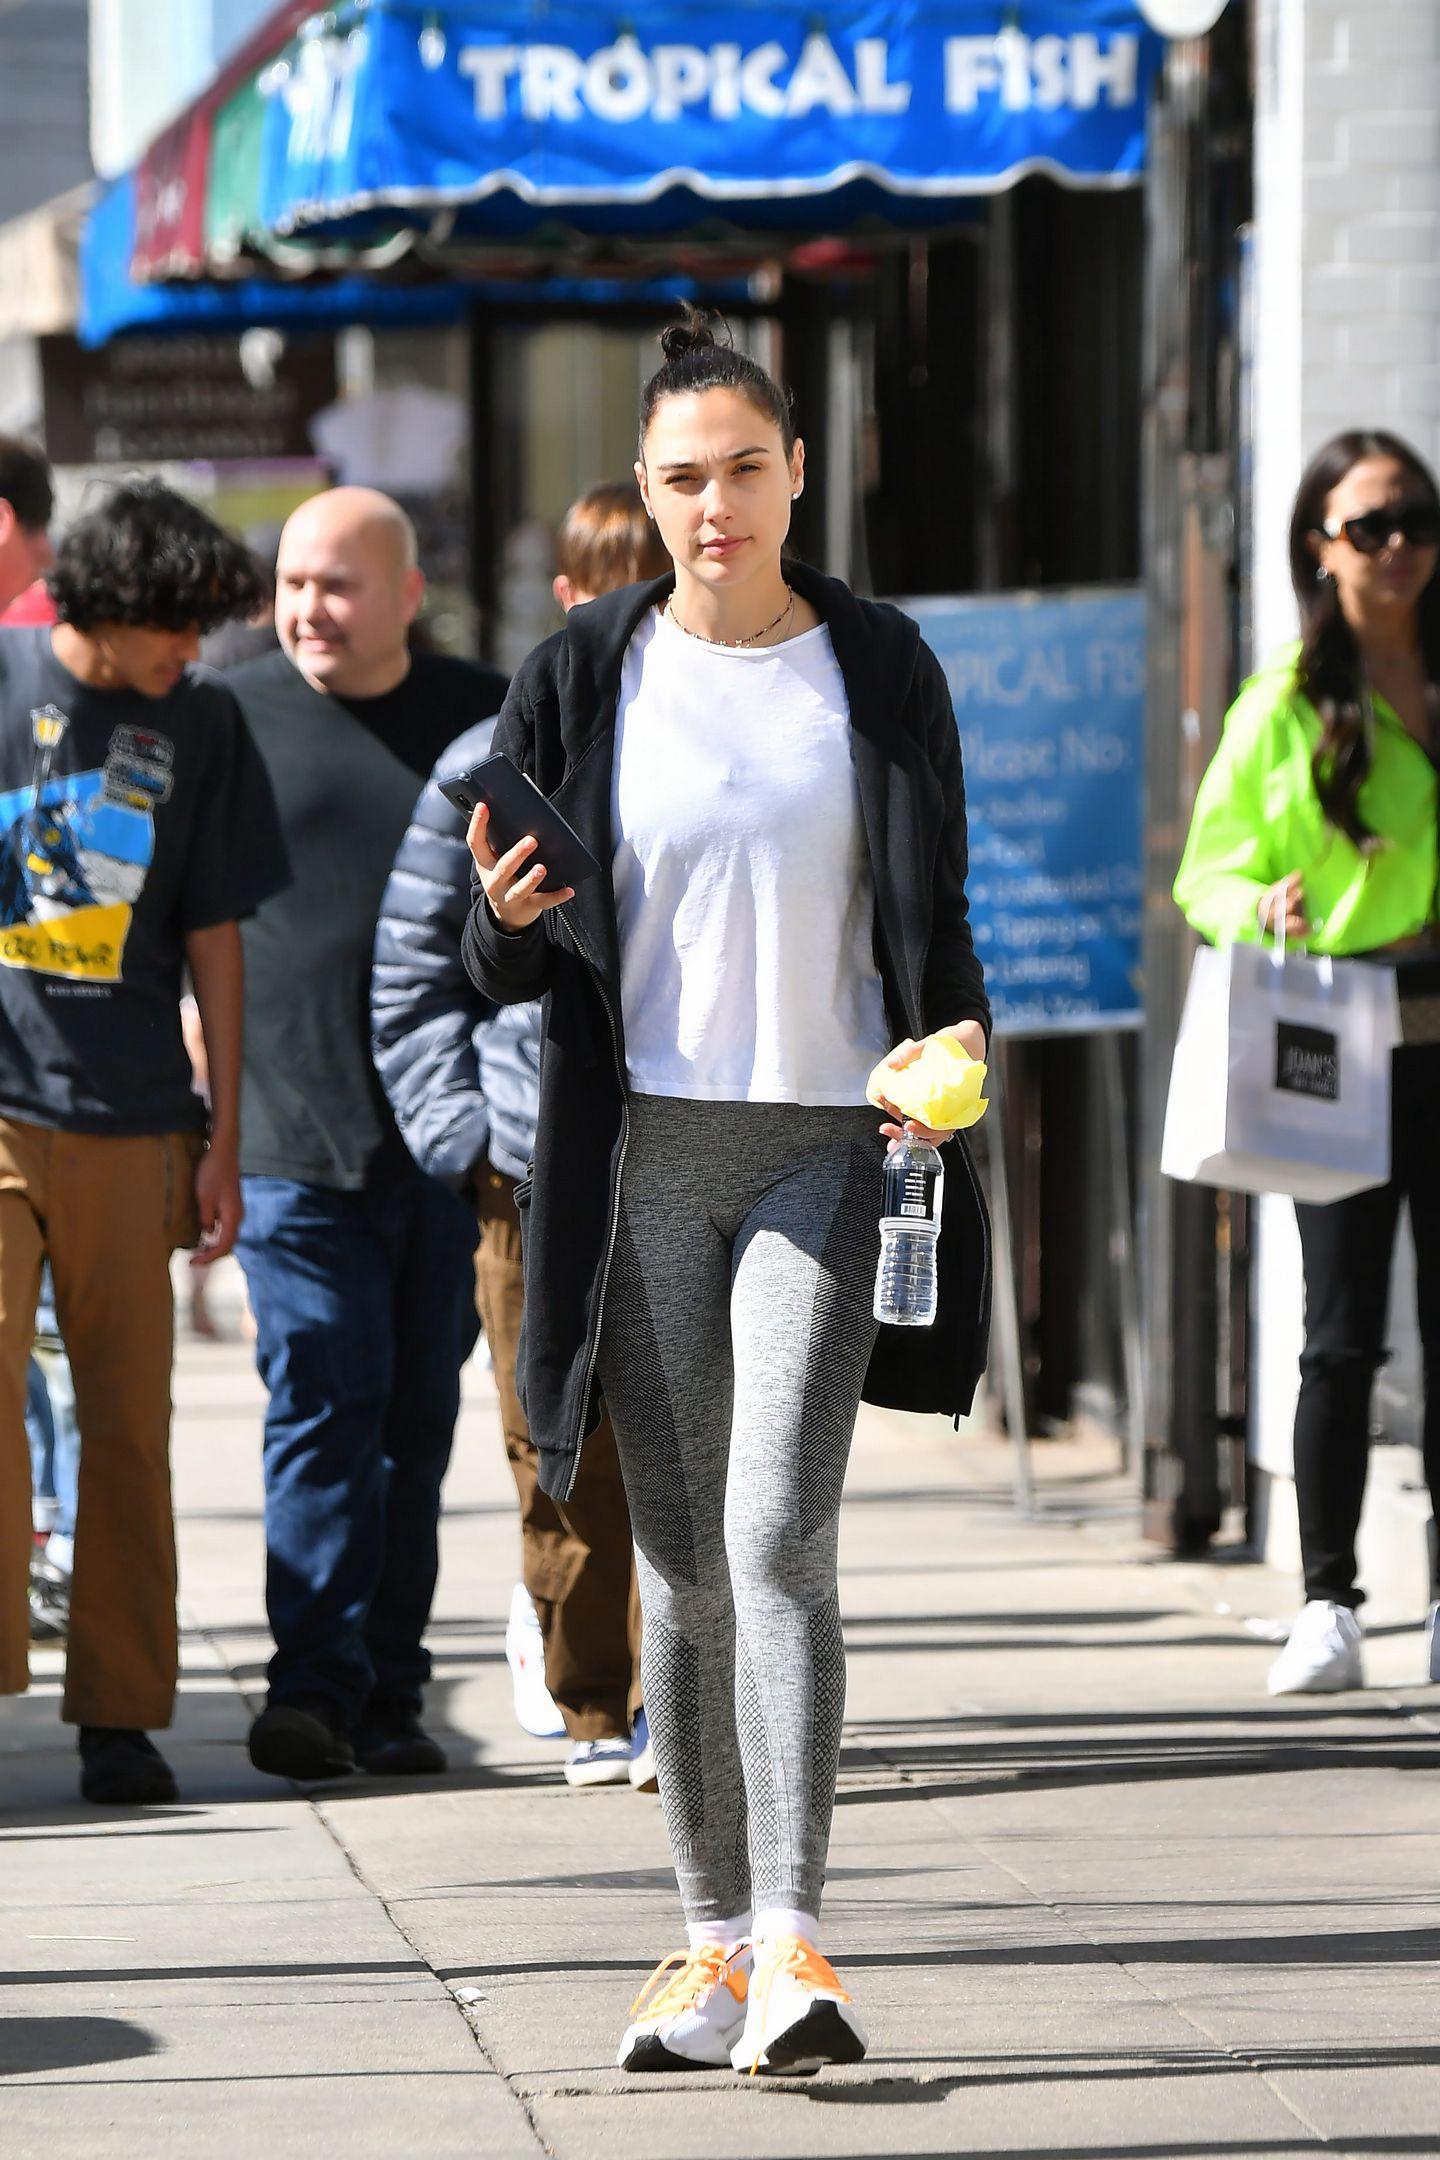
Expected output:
{"points": [[391, 1742], [304, 1739], [49, 1603], [119, 1768]]}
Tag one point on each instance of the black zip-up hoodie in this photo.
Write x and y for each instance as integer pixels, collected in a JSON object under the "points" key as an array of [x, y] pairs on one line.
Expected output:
{"points": [[558, 725]]}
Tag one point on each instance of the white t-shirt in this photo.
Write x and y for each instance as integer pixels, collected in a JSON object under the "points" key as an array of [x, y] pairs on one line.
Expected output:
{"points": [[742, 880]]}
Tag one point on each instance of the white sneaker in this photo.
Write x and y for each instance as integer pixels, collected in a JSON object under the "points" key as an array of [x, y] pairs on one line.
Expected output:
{"points": [[535, 1710], [799, 2018], [1323, 1654], [690, 2012], [598, 1762], [1432, 1647], [642, 1757]]}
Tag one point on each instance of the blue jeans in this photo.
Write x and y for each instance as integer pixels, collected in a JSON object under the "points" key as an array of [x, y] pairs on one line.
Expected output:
{"points": [[50, 1424], [364, 1307]]}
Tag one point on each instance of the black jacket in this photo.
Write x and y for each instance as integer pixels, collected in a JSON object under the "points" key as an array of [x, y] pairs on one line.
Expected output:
{"points": [[558, 725]]}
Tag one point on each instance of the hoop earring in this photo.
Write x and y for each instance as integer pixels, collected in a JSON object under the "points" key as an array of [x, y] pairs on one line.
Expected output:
{"points": [[1322, 575]]}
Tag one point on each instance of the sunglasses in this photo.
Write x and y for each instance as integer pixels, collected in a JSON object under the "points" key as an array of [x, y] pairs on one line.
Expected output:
{"points": [[1417, 524]]}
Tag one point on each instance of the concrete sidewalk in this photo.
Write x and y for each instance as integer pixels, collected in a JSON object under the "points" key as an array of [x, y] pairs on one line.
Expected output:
{"points": [[1093, 1891]]}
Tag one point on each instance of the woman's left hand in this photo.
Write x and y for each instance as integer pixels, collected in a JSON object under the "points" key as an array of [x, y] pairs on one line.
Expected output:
{"points": [[971, 1038]]}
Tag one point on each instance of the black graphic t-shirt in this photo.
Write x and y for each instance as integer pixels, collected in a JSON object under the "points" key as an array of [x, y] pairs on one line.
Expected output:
{"points": [[346, 774], [125, 822]]}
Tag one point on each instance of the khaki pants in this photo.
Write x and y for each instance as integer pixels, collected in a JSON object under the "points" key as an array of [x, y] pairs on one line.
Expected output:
{"points": [[577, 1557], [108, 1211]]}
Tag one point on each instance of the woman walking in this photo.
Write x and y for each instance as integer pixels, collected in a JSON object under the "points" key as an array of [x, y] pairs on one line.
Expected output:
{"points": [[1316, 821], [769, 772]]}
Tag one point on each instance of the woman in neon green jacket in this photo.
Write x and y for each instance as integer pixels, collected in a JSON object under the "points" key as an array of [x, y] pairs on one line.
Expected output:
{"points": [[1318, 818]]}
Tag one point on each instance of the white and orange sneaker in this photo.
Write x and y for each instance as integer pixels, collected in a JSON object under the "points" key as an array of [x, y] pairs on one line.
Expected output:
{"points": [[690, 2012], [799, 2018]]}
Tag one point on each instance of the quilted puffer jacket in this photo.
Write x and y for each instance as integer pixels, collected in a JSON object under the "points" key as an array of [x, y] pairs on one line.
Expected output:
{"points": [[462, 1073]]}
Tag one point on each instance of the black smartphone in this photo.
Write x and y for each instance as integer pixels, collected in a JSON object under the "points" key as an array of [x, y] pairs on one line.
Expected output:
{"points": [[518, 808]]}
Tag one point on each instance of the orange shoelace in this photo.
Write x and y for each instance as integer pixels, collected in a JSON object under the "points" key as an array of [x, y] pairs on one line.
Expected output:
{"points": [[798, 1960], [682, 1980]]}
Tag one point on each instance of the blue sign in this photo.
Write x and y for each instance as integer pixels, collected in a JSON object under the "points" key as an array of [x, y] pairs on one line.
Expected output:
{"points": [[505, 110], [1049, 698]]}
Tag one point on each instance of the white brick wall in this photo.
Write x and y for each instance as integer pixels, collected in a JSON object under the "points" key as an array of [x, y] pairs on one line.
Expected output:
{"points": [[1347, 253], [1347, 334], [1368, 90]]}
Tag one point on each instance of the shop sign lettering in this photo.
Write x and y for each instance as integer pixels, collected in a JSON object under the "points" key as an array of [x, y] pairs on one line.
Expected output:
{"points": [[625, 82], [558, 102]]}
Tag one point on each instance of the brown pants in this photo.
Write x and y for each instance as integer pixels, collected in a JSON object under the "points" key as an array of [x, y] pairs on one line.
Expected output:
{"points": [[577, 1556], [109, 1212]]}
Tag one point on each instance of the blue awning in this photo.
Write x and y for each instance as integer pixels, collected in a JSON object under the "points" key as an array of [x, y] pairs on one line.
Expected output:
{"points": [[506, 115], [546, 131], [111, 302]]}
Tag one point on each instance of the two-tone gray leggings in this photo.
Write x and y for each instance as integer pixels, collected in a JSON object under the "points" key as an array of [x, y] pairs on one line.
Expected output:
{"points": [[736, 1334]]}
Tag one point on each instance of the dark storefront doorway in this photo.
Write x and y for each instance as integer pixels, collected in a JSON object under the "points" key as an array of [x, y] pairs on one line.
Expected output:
{"points": [[974, 401]]}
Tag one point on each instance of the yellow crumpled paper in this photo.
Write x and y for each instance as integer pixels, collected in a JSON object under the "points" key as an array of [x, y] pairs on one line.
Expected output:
{"points": [[941, 1088]]}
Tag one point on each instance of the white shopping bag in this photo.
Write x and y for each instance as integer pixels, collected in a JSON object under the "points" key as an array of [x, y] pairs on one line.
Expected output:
{"points": [[1281, 1080]]}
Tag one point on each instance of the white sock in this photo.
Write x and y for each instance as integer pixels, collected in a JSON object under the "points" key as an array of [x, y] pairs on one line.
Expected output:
{"points": [[780, 1920], [728, 1933]]}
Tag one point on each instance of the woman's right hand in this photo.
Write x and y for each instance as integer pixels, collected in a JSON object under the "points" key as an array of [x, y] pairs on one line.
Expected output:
{"points": [[511, 890], [1281, 908]]}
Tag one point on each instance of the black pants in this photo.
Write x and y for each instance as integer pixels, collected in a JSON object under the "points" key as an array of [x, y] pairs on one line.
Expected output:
{"points": [[1348, 1248]]}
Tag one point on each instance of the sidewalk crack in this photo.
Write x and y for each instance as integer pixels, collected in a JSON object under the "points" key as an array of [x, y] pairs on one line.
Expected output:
{"points": [[316, 1804], [332, 1831]]}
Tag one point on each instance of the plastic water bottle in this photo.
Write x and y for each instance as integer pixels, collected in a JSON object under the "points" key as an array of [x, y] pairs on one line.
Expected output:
{"points": [[906, 1282]]}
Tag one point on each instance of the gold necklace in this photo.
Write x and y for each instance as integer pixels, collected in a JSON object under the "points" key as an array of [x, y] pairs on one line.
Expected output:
{"points": [[733, 642]]}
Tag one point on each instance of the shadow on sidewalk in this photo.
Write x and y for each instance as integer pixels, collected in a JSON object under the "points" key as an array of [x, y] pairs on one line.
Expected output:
{"points": [[457, 1511], [1337, 1949], [70, 1820], [28, 2044], [1314, 1712], [879, 2083], [410, 1968], [1248, 2148], [988, 1753], [1081, 1617]]}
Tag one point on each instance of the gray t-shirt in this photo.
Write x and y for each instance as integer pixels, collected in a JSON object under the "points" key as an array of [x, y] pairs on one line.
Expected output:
{"points": [[346, 774], [125, 823]]}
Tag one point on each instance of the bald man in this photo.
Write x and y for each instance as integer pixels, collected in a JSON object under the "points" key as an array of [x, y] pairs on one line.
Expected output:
{"points": [[359, 1267]]}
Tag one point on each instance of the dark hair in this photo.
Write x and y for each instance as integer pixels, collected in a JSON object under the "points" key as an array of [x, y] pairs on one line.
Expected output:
{"points": [[606, 540], [696, 360], [147, 557], [1328, 670], [25, 482]]}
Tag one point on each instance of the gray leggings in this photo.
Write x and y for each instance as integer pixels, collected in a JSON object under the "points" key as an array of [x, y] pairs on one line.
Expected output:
{"points": [[736, 1334]]}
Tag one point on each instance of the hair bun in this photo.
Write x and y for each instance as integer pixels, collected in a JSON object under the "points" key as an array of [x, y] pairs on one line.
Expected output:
{"points": [[694, 334], [700, 355]]}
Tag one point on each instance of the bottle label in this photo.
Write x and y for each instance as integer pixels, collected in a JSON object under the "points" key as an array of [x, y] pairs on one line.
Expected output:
{"points": [[911, 1192]]}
